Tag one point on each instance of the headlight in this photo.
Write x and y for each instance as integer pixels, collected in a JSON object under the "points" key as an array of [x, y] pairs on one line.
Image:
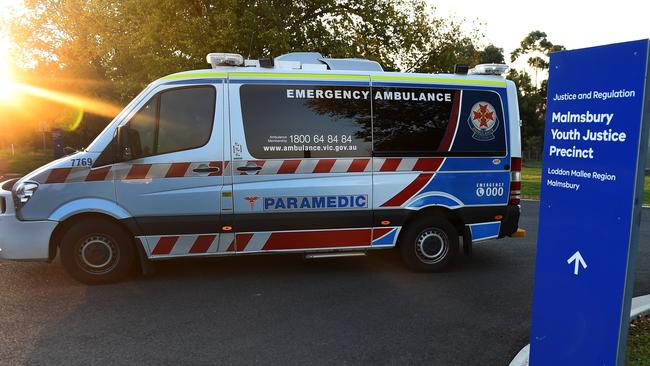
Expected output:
{"points": [[25, 191]]}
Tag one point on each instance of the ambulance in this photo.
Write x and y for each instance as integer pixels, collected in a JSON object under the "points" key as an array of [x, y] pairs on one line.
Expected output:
{"points": [[298, 154]]}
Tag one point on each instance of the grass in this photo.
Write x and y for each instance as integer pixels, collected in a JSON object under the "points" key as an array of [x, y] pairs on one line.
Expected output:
{"points": [[531, 181], [25, 161], [531, 178], [638, 343]]}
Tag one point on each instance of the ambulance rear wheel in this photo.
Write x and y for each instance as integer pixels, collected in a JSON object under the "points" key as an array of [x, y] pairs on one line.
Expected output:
{"points": [[96, 251], [429, 244]]}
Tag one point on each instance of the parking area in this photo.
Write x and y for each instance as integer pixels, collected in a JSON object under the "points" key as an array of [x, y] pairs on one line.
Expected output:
{"points": [[282, 309]]}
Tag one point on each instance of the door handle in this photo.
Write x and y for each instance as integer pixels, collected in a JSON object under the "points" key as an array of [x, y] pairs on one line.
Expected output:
{"points": [[248, 168], [207, 170]]}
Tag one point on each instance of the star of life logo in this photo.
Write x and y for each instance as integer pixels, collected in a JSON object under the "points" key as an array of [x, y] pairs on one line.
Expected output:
{"points": [[251, 201], [483, 121]]}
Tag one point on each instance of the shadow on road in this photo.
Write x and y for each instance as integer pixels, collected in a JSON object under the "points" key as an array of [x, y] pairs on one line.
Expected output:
{"points": [[282, 309]]}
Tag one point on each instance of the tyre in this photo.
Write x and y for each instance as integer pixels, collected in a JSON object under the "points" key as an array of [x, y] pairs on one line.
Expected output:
{"points": [[429, 244], [97, 251]]}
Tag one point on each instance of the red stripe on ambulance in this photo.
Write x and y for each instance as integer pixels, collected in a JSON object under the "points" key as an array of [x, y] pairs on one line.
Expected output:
{"points": [[324, 165], [165, 245], [428, 164], [289, 167], [177, 170], [390, 165], [202, 243], [318, 239], [445, 145], [409, 191], [358, 165], [242, 241], [138, 171], [98, 174], [58, 175], [379, 232]]}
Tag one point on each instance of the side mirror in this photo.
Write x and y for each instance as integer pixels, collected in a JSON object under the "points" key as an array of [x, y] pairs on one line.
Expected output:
{"points": [[123, 147]]}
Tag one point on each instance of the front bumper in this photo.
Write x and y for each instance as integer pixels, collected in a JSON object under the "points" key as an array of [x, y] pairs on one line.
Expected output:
{"points": [[22, 240]]}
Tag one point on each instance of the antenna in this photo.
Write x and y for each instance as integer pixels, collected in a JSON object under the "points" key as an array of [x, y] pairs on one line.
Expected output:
{"points": [[250, 46]]}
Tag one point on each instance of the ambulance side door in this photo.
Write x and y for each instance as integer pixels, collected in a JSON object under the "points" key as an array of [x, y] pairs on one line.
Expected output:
{"points": [[302, 176], [172, 184]]}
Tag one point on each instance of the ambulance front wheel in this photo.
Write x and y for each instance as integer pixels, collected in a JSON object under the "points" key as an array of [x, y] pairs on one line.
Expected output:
{"points": [[429, 244], [97, 251]]}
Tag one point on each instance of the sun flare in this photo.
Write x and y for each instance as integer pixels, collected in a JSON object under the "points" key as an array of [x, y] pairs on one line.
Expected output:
{"points": [[7, 89]]}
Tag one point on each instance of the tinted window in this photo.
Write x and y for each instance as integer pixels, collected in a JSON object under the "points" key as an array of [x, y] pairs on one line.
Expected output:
{"points": [[411, 119], [142, 129], [186, 117], [437, 122], [296, 121], [173, 120]]}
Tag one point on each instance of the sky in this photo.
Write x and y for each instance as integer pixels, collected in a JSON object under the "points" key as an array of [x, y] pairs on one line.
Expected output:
{"points": [[572, 23]]}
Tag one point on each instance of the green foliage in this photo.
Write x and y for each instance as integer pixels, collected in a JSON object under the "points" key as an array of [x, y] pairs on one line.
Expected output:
{"points": [[536, 42], [638, 342], [133, 42], [109, 50], [24, 161], [491, 54], [532, 109], [447, 45], [532, 98]]}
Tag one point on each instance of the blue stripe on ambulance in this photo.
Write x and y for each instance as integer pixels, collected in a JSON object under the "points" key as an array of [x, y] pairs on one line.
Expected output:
{"points": [[485, 230], [386, 240]]}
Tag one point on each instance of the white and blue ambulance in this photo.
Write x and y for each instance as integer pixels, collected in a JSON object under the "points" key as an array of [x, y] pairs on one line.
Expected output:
{"points": [[326, 157]]}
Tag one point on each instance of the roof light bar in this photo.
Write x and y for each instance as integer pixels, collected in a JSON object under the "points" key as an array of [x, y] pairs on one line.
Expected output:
{"points": [[489, 69], [224, 59]]}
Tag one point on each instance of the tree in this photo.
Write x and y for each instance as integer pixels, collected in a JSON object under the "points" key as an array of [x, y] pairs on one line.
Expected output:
{"points": [[111, 49], [531, 112], [492, 54], [537, 48], [532, 95]]}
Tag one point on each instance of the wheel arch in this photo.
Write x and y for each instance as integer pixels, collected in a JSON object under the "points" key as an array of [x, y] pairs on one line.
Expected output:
{"points": [[70, 221], [433, 211]]}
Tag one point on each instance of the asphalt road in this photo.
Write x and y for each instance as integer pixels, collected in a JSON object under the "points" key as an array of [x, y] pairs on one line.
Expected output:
{"points": [[283, 310]]}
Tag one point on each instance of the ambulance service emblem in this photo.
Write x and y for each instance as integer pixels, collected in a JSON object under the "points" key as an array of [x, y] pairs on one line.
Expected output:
{"points": [[483, 121]]}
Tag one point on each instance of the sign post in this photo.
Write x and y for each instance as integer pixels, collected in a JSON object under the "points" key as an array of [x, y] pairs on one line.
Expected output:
{"points": [[595, 145]]}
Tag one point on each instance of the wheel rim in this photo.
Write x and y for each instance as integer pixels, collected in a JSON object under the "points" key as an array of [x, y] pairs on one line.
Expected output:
{"points": [[432, 246], [98, 254]]}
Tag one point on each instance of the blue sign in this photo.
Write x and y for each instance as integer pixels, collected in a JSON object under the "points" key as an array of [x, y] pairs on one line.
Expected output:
{"points": [[592, 191]]}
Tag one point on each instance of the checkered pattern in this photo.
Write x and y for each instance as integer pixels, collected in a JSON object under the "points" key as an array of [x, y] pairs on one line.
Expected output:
{"points": [[128, 172], [186, 169], [228, 243]]}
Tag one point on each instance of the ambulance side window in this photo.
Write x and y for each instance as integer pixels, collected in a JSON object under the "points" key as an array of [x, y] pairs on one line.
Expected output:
{"points": [[142, 128], [306, 121], [410, 121], [185, 118], [173, 120]]}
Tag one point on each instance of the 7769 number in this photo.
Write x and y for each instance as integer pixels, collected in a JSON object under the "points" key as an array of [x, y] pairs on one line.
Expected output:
{"points": [[82, 162]]}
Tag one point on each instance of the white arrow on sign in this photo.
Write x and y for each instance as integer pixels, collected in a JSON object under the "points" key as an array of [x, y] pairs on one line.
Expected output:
{"points": [[579, 261]]}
